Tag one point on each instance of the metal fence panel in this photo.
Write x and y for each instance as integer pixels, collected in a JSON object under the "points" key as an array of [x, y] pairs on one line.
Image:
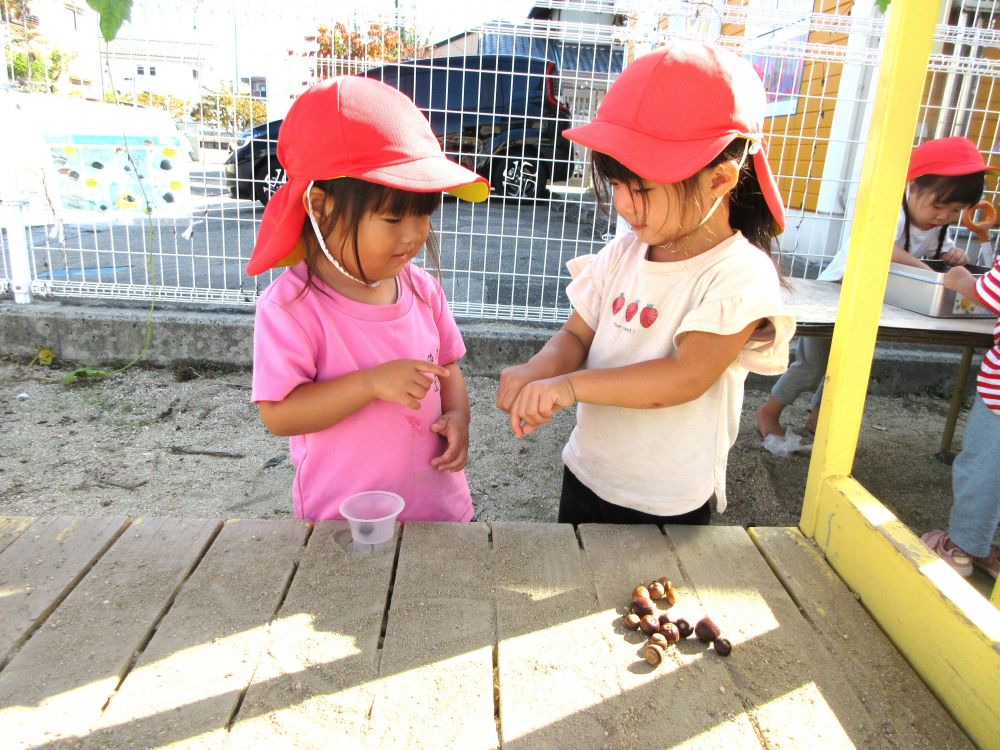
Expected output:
{"points": [[503, 259]]}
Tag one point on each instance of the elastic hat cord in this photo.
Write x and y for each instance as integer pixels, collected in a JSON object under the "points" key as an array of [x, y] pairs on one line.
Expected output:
{"points": [[718, 201], [326, 251]]}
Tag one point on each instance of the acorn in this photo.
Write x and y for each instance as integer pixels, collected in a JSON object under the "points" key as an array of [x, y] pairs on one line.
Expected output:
{"points": [[670, 594], [683, 626], [722, 646], [640, 591], [642, 605], [659, 640], [656, 590], [671, 632], [632, 621], [653, 654], [706, 630], [648, 624]]}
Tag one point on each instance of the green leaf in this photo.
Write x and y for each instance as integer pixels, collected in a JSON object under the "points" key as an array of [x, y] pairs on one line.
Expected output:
{"points": [[82, 373], [882, 5], [112, 13]]}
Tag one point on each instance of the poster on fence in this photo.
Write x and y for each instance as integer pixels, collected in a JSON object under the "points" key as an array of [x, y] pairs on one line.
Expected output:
{"points": [[101, 161], [777, 56]]}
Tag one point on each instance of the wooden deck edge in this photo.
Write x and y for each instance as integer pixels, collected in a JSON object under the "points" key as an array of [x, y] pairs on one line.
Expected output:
{"points": [[948, 633]]}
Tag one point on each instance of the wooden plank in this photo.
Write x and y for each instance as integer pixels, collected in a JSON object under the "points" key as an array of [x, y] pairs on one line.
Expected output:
{"points": [[783, 671], [186, 685], [554, 666], [316, 680], [56, 685], [436, 676], [691, 688], [11, 529], [890, 690], [38, 569]]}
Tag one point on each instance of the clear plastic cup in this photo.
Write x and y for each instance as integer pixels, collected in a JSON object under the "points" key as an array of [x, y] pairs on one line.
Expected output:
{"points": [[372, 515]]}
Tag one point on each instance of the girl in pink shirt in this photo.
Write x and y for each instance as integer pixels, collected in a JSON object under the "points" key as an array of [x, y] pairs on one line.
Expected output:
{"points": [[355, 349]]}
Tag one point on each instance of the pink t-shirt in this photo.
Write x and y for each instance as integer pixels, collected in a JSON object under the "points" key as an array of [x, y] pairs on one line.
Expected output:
{"points": [[320, 335]]}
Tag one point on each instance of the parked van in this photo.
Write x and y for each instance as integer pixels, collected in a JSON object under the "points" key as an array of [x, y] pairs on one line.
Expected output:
{"points": [[499, 115]]}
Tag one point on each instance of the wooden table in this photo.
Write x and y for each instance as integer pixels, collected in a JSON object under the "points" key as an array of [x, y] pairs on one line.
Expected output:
{"points": [[814, 305], [277, 634]]}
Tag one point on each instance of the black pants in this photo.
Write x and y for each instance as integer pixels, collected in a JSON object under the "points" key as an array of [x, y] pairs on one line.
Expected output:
{"points": [[579, 504]]}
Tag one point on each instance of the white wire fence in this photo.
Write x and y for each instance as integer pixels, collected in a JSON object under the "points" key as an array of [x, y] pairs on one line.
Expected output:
{"points": [[499, 96]]}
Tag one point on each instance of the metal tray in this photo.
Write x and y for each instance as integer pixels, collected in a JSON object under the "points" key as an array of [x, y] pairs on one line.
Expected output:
{"points": [[923, 291]]}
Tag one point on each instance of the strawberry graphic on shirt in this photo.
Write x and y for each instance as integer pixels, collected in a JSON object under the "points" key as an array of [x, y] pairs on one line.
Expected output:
{"points": [[618, 303], [631, 310], [648, 316]]}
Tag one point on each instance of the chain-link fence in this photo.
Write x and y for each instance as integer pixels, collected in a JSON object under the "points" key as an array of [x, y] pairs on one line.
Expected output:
{"points": [[118, 204]]}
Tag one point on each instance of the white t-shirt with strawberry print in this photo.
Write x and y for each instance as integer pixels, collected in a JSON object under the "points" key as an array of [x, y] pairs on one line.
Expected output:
{"points": [[669, 461]]}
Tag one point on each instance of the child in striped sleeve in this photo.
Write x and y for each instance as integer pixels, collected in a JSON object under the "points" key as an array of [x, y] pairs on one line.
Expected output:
{"points": [[975, 512]]}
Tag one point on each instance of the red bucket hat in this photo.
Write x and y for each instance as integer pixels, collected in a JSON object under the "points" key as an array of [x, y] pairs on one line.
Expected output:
{"points": [[353, 127], [947, 156], [675, 109]]}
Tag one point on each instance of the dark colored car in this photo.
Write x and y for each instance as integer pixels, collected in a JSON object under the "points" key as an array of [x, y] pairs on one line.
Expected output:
{"points": [[499, 115]]}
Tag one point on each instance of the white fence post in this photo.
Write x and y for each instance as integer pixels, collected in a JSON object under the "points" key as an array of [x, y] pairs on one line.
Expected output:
{"points": [[17, 249]]}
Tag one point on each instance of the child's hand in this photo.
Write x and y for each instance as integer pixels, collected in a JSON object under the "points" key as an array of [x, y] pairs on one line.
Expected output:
{"points": [[512, 380], [405, 381], [955, 257], [960, 280], [455, 429], [538, 401]]}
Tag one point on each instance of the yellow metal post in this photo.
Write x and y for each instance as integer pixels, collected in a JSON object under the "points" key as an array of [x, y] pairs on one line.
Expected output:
{"points": [[900, 84], [900, 581]]}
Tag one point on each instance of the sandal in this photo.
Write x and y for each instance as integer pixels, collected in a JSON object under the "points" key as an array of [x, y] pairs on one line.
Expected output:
{"points": [[989, 564], [947, 550]]}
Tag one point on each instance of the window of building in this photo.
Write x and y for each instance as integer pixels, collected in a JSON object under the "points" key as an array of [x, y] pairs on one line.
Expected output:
{"points": [[140, 70], [152, 70]]}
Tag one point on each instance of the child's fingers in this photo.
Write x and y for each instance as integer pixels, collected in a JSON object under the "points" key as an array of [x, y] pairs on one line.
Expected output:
{"points": [[431, 368]]}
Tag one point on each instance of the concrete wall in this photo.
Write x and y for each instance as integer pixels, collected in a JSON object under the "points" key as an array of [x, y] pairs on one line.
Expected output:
{"points": [[97, 336]]}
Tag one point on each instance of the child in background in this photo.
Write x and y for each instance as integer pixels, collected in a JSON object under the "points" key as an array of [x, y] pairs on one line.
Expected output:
{"points": [[355, 349], [975, 477], [669, 317], [945, 176]]}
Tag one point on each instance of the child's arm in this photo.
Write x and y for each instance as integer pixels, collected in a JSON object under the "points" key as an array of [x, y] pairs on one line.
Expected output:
{"points": [[565, 352], [700, 360], [453, 424], [312, 407], [899, 255]]}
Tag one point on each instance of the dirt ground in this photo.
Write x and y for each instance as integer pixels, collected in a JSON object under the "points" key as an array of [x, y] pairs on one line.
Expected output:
{"points": [[187, 442]]}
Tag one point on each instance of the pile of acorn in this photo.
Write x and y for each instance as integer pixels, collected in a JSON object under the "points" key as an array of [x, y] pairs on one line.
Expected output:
{"points": [[662, 631]]}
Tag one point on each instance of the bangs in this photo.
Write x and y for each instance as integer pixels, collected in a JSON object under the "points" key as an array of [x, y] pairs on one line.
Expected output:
{"points": [[607, 168], [966, 189], [403, 202]]}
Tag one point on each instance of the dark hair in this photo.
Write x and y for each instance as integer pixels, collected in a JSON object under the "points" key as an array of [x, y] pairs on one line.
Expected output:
{"points": [[748, 211], [966, 189], [353, 199]]}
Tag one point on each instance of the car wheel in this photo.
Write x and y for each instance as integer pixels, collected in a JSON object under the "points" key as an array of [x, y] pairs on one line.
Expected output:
{"points": [[520, 177], [267, 177]]}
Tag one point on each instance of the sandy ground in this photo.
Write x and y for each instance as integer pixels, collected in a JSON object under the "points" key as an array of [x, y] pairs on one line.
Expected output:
{"points": [[186, 442]]}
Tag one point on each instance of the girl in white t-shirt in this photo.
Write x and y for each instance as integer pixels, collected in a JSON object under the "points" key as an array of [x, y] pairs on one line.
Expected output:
{"points": [[668, 318], [945, 176]]}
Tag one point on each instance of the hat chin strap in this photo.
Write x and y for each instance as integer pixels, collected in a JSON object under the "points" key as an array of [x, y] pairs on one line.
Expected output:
{"points": [[326, 251]]}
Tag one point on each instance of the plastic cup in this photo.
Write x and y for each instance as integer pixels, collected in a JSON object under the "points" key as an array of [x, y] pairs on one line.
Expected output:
{"points": [[372, 515]]}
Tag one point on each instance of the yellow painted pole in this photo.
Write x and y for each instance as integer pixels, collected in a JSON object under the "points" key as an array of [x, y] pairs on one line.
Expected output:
{"points": [[908, 39]]}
